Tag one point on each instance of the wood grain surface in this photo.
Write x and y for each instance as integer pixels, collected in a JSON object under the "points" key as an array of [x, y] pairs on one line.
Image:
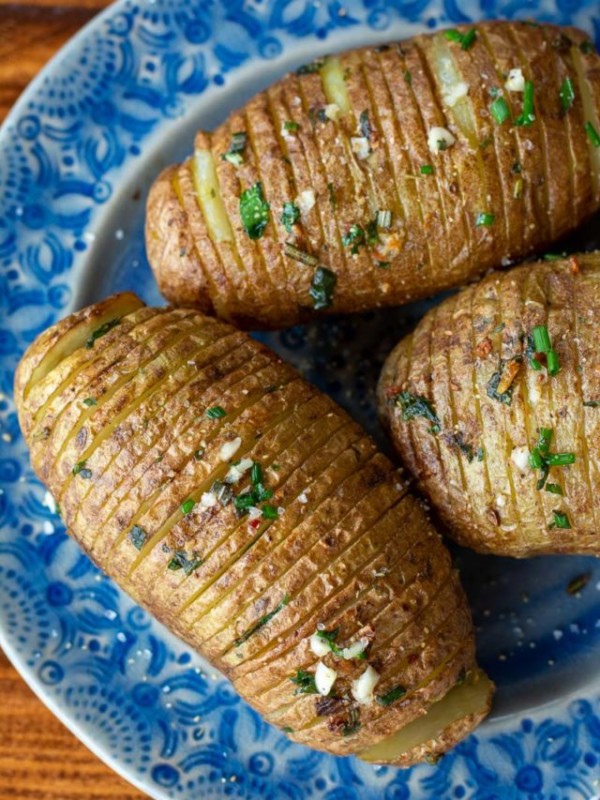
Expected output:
{"points": [[39, 758]]}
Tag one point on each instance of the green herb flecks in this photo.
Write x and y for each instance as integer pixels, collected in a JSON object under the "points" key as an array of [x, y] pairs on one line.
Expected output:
{"points": [[492, 388], [305, 681], [500, 110], [322, 288], [90, 401], [527, 116], [366, 129], [81, 470], [188, 506], [426, 169], [181, 560], [215, 412], [560, 520], [310, 69], [484, 219], [543, 346], [290, 126], [591, 403], [415, 405], [566, 94], [289, 215], [466, 40], [541, 458], [254, 211], [101, 331], [235, 153], [329, 637], [592, 134], [138, 537], [262, 622], [390, 697], [354, 238]]}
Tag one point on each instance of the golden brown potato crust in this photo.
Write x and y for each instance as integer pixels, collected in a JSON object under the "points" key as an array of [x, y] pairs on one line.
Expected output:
{"points": [[136, 427], [468, 437], [514, 180]]}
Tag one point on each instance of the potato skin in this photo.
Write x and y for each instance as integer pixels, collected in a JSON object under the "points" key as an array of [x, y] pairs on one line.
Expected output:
{"points": [[340, 543], [499, 192], [475, 469]]}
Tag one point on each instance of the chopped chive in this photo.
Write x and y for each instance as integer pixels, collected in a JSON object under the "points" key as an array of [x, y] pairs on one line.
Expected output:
{"points": [[101, 331], [299, 255], [245, 501], [254, 211], [408, 77], [305, 681], [426, 169], [535, 364], [270, 512], [544, 440], [535, 459], [353, 238], [560, 459], [554, 256], [256, 473], [198, 454], [90, 401], [566, 94], [291, 126], [591, 403], [181, 561], [552, 362], [484, 219], [541, 339], [592, 134], [290, 215], [528, 114], [453, 35], [500, 110], [468, 39], [187, 506], [262, 622], [560, 520], [371, 232], [322, 288], [236, 148], [384, 219], [554, 488], [389, 697], [215, 412]]}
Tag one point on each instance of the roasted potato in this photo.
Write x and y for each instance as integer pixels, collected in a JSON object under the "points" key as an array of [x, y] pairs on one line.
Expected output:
{"points": [[383, 175], [493, 403], [253, 517]]}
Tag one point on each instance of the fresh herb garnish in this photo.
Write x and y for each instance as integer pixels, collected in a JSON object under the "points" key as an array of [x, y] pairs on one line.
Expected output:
{"points": [[215, 412], [222, 492], [541, 458], [500, 110], [138, 537], [587, 47], [543, 345], [527, 117], [322, 288], [566, 94], [591, 403], [592, 134], [466, 40], [291, 126], [254, 211], [554, 256], [262, 622], [181, 561], [289, 215], [492, 388], [236, 148], [101, 331], [187, 506], [330, 637], [426, 169], [560, 520], [310, 69], [81, 470], [390, 697], [366, 129], [554, 488], [353, 238], [199, 454], [270, 512], [415, 405], [90, 401], [305, 681], [408, 77], [484, 219], [371, 232]]}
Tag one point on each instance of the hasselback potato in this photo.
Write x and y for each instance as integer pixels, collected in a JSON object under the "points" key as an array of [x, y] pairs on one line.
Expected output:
{"points": [[493, 402], [253, 517], [383, 175]]}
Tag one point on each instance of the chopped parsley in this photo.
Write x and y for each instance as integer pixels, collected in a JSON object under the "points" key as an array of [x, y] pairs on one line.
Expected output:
{"points": [[236, 148], [371, 232], [354, 238], [269, 511], [484, 219], [289, 215], [81, 470], [305, 681], [415, 405], [390, 697], [527, 116], [566, 94], [90, 401], [543, 345], [329, 637], [500, 110], [492, 389], [262, 622], [560, 520], [554, 488], [101, 331], [426, 169], [138, 537], [466, 40], [291, 126], [215, 412], [541, 458], [187, 506], [181, 561], [322, 288], [592, 134], [254, 211]]}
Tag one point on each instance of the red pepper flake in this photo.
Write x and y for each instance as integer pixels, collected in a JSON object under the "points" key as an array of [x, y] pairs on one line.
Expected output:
{"points": [[254, 523], [574, 264]]}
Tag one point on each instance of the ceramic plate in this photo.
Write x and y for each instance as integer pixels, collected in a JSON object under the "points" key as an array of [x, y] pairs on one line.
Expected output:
{"points": [[77, 156]]}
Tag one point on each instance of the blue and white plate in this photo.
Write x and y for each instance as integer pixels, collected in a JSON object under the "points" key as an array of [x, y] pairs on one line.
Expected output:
{"points": [[77, 156]]}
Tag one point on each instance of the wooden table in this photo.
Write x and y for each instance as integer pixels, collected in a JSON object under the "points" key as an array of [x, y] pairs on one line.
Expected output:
{"points": [[39, 758]]}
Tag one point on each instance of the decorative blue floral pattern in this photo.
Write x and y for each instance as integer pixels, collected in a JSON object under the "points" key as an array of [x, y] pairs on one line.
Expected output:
{"points": [[75, 158]]}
